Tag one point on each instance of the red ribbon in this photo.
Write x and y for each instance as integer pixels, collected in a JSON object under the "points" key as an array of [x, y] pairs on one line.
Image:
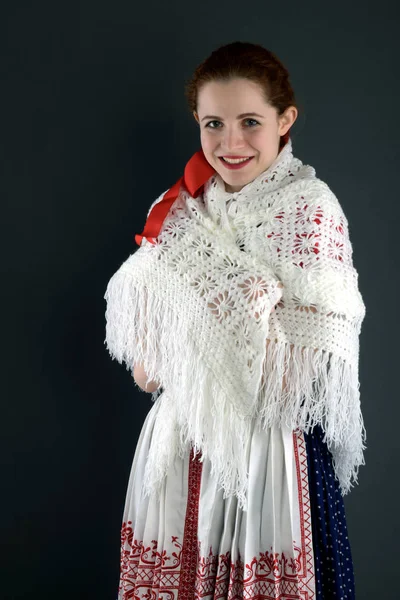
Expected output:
{"points": [[197, 172]]}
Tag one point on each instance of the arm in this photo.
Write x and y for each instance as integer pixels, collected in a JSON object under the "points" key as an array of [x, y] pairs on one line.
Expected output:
{"points": [[321, 240], [140, 377], [139, 374]]}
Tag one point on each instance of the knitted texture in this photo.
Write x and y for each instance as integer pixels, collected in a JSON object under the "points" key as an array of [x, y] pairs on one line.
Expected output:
{"points": [[205, 312]]}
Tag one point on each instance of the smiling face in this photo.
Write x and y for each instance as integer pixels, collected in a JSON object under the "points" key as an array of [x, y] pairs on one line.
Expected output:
{"points": [[236, 121]]}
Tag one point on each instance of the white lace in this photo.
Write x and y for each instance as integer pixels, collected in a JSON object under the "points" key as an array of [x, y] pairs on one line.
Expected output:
{"points": [[196, 310]]}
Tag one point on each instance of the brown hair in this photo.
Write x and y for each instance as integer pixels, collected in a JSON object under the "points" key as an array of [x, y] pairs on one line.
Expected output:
{"points": [[249, 61]]}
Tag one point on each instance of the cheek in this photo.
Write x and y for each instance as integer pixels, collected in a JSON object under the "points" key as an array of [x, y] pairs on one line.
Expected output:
{"points": [[259, 139], [208, 143]]}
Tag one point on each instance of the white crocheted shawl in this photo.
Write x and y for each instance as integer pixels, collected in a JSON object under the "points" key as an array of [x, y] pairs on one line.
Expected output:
{"points": [[197, 310]]}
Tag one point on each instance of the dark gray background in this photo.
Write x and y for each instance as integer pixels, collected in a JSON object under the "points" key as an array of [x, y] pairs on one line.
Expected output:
{"points": [[94, 126]]}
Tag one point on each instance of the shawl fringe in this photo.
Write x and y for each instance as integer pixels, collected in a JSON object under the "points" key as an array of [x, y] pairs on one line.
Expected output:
{"points": [[195, 408], [298, 387], [305, 387]]}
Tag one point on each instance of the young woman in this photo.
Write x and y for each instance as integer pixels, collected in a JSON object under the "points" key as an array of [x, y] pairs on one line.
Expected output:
{"points": [[240, 312]]}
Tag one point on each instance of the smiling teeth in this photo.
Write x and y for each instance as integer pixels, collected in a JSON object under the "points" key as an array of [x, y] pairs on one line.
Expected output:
{"points": [[236, 160]]}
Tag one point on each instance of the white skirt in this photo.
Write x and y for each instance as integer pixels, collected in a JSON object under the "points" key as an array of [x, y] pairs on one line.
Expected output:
{"points": [[190, 542]]}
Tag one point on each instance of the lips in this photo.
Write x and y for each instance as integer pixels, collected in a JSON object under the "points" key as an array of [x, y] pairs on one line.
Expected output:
{"points": [[235, 166]]}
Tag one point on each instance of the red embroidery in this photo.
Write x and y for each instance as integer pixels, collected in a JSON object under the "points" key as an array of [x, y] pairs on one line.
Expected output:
{"points": [[149, 574], [307, 573], [272, 576], [145, 572], [190, 546]]}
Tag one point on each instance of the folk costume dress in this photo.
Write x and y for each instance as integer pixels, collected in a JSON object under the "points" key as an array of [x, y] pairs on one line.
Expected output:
{"points": [[245, 308]]}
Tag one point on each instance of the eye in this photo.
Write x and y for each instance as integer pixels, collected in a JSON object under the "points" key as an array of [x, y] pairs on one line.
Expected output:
{"points": [[209, 123], [254, 121]]}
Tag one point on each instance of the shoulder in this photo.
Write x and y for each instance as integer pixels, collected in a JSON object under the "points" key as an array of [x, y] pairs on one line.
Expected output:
{"points": [[145, 243], [310, 193], [160, 197]]}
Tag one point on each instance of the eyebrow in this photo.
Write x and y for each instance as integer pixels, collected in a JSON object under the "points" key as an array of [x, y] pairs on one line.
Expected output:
{"points": [[238, 117]]}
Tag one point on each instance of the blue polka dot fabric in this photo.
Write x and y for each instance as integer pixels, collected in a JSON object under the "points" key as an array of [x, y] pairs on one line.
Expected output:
{"points": [[334, 576]]}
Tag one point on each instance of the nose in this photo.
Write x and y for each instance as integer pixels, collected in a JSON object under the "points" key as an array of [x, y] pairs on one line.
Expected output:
{"points": [[232, 139]]}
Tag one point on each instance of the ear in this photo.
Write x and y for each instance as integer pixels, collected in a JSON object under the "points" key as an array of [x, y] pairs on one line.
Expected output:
{"points": [[196, 116], [287, 119]]}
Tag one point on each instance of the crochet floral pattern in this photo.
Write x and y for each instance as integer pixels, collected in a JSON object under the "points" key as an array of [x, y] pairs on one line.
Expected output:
{"points": [[246, 307]]}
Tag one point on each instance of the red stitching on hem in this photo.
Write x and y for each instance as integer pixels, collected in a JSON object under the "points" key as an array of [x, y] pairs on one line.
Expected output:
{"points": [[187, 578]]}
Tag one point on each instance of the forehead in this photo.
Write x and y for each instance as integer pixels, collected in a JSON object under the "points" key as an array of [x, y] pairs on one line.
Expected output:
{"points": [[231, 97]]}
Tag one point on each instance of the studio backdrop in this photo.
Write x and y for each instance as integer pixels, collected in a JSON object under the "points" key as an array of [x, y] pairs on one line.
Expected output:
{"points": [[94, 127]]}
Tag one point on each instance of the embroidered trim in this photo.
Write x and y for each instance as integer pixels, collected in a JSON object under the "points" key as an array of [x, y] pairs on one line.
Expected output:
{"points": [[186, 574], [190, 548]]}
